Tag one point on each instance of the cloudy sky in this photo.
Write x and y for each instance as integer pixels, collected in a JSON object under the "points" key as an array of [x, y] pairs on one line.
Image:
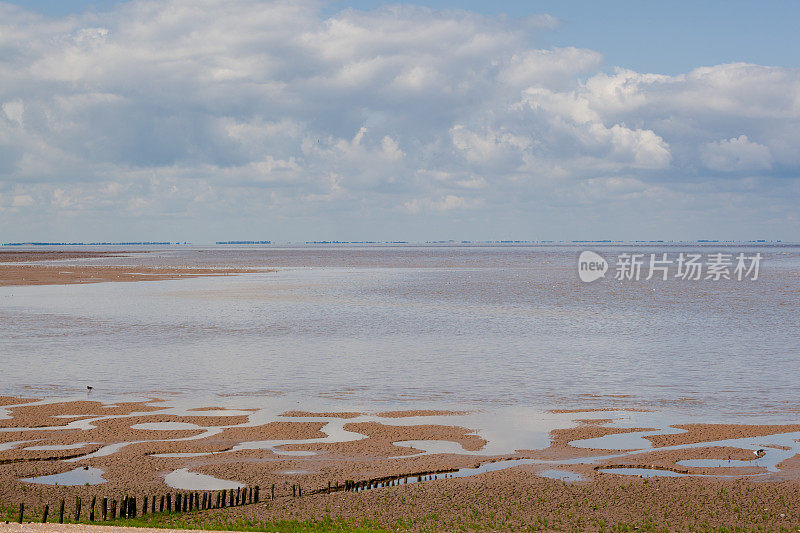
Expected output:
{"points": [[207, 120]]}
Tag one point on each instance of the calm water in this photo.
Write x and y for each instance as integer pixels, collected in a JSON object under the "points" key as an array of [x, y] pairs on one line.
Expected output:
{"points": [[446, 325]]}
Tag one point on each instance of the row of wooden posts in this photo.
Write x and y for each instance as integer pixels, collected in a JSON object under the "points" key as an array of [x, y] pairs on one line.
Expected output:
{"points": [[200, 501], [183, 502]]}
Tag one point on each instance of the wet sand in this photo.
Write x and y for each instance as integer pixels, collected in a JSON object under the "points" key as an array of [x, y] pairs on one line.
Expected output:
{"points": [[511, 498], [24, 268]]}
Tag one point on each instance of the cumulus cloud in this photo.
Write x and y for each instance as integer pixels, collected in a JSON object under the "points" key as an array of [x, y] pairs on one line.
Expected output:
{"points": [[736, 153], [246, 110]]}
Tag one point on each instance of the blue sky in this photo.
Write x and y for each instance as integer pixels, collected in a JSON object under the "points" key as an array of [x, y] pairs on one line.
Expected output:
{"points": [[207, 120], [644, 35]]}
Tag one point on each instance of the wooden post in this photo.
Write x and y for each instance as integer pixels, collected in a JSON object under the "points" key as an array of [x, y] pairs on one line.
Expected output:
{"points": [[238, 494], [91, 509], [255, 494], [299, 491], [144, 506], [113, 509], [44, 515], [123, 507], [105, 509], [153, 504], [77, 509], [61, 512], [21, 511], [169, 502], [177, 502], [185, 501], [272, 497], [191, 501], [218, 504], [132, 508], [230, 496], [294, 491]]}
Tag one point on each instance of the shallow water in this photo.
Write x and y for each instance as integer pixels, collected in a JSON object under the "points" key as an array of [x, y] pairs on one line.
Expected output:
{"points": [[642, 472], [59, 446], [184, 480], [393, 326], [79, 476]]}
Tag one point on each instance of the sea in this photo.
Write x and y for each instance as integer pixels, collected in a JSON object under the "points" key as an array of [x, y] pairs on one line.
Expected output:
{"points": [[453, 325]]}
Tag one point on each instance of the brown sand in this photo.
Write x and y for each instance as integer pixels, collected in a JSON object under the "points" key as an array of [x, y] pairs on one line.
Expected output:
{"points": [[668, 460], [420, 412], [714, 432], [11, 400], [308, 414], [18, 256], [44, 415], [15, 274], [509, 499], [381, 437]]}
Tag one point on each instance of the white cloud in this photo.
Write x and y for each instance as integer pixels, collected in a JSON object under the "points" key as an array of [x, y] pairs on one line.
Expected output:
{"points": [[248, 109], [736, 153]]}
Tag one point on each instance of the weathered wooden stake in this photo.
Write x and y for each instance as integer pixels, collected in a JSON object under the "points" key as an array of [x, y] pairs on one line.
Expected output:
{"points": [[169, 502], [44, 515], [123, 507], [161, 504], [21, 511], [153, 504], [294, 491], [77, 509], [105, 509], [113, 509], [91, 509], [61, 512], [272, 497], [255, 494], [132, 508], [230, 496], [144, 506]]}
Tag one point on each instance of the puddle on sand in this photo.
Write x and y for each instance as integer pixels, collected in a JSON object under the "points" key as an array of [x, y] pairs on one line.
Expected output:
{"points": [[165, 426], [294, 472], [11, 445], [716, 463], [563, 475], [634, 440], [185, 454], [60, 446], [79, 476], [429, 447], [184, 480], [643, 472]]}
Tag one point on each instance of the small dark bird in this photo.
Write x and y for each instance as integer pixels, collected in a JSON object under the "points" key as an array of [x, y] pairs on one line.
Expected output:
{"points": [[89, 388], [760, 453]]}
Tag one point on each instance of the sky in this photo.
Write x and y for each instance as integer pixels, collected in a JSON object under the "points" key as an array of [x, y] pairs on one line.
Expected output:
{"points": [[205, 120]]}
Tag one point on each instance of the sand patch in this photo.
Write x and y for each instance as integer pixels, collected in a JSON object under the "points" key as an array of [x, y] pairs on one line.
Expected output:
{"points": [[714, 432]]}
